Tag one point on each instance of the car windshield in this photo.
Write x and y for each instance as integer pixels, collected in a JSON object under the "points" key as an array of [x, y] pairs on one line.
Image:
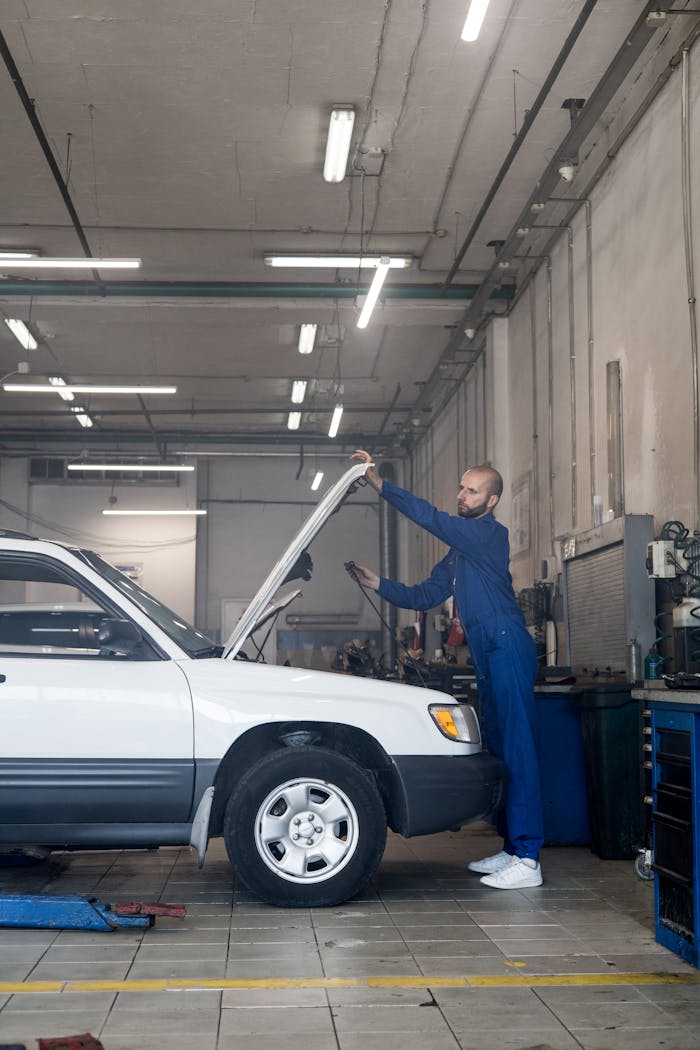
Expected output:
{"points": [[184, 634]]}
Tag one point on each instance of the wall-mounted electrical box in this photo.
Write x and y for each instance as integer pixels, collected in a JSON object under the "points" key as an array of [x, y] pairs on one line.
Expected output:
{"points": [[661, 559]]}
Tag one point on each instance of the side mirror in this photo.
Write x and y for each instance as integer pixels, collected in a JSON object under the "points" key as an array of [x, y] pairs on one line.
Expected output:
{"points": [[118, 636]]}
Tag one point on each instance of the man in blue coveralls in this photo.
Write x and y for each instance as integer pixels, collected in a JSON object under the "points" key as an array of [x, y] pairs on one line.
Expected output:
{"points": [[475, 571]]}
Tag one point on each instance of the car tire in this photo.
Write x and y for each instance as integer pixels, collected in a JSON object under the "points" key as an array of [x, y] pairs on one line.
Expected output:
{"points": [[305, 828]]}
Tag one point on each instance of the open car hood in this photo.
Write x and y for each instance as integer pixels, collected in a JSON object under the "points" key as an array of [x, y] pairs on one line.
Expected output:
{"points": [[258, 605]]}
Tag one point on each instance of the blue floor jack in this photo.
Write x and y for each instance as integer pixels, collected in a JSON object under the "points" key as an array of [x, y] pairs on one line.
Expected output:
{"points": [[43, 911]]}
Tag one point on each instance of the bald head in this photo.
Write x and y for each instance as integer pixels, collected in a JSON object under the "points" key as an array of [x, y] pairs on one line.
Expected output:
{"points": [[493, 479], [479, 491]]}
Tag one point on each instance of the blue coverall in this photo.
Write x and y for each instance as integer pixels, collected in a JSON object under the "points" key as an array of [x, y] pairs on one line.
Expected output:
{"points": [[475, 571]]}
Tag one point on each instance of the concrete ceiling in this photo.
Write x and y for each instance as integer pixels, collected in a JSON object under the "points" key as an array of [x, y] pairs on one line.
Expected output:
{"points": [[192, 136]]}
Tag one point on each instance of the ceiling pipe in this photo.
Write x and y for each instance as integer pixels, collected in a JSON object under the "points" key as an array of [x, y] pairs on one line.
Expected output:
{"points": [[235, 290], [532, 113], [84, 439], [30, 110], [259, 410]]}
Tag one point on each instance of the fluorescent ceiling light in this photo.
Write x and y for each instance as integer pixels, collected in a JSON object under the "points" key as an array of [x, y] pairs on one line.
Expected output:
{"points": [[83, 263], [318, 478], [307, 336], [335, 421], [129, 466], [6, 253], [475, 17], [143, 513], [21, 333], [373, 293], [61, 389], [298, 391], [293, 420], [85, 388], [82, 416], [338, 261], [338, 145]]}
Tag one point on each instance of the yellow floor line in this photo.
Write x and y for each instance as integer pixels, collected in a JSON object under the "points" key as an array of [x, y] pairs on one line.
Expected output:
{"points": [[223, 983]]}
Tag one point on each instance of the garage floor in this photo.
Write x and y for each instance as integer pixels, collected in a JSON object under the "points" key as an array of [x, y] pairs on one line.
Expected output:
{"points": [[427, 958]]}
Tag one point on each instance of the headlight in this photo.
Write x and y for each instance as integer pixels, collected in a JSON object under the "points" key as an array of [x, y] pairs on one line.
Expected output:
{"points": [[456, 722]]}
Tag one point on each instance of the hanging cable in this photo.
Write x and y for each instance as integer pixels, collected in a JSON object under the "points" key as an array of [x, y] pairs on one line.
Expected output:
{"points": [[414, 662]]}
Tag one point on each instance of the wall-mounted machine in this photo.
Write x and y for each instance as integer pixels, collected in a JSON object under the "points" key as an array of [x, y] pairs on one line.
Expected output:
{"points": [[676, 556]]}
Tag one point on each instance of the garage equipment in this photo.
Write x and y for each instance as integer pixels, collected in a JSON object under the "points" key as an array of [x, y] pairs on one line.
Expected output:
{"points": [[44, 911]]}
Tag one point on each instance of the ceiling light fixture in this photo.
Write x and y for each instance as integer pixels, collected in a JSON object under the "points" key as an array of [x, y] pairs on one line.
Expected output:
{"points": [[84, 388], [373, 293], [26, 253], [298, 391], [318, 478], [567, 170], [143, 513], [340, 128], [151, 467], [475, 17], [61, 388], [338, 261], [83, 263], [21, 333], [335, 421], [82, 416], [307, 336], [293, 420]]}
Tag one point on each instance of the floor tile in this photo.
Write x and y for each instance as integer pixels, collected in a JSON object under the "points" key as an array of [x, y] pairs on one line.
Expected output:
{"points": [[442, 1040], [269, 1020], [638, 1039], [271, 1041], [398, 1018]]}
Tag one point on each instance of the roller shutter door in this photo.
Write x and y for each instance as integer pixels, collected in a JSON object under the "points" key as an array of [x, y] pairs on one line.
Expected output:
{"points": [[596, 609]]}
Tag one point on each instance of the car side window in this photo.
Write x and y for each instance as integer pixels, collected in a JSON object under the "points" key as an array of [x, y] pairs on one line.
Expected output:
{"points": [[45, 612]]}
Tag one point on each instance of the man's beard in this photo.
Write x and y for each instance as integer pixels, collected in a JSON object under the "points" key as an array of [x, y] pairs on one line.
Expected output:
{"points": [[473, 512]]}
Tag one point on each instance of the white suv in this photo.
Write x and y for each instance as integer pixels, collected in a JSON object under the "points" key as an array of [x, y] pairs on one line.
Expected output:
{"points": [[122, 726]]}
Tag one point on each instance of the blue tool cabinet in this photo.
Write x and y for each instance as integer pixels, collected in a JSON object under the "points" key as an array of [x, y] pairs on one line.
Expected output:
{"points": [[675, 726]]}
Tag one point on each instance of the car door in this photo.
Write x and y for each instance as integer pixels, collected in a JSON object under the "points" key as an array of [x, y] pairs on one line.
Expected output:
{"points": [[90, 737]]}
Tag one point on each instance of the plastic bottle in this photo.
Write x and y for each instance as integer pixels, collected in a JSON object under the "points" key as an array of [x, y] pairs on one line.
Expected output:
{"points": [[653, 664]]}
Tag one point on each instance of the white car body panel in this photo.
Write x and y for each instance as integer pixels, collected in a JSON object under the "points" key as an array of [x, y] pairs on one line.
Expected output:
{"points": [[83, 708], [241, 694]]}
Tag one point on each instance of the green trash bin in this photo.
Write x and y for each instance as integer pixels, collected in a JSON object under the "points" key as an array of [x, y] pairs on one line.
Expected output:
{"points": [[611, 727]]}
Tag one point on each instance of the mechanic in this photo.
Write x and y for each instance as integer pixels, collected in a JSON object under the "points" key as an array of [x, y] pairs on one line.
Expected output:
{"points": [[475, 571]]}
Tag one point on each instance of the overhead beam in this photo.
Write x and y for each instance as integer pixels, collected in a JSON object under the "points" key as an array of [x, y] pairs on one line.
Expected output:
{"points": [[12, 288]]}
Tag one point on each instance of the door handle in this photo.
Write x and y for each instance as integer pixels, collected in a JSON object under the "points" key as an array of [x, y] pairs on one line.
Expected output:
{"points": [[2, 678]]}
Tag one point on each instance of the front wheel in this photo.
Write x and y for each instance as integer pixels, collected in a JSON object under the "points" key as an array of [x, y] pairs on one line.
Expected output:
{"points": [[305, 827]]}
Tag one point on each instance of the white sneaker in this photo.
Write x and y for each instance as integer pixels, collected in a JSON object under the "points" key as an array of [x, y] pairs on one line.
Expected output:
{"points": [[487, 865], [515, 875]]}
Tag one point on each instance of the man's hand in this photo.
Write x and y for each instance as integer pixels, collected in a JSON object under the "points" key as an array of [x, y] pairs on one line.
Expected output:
{"points": [[362, 575], [371, 473]]}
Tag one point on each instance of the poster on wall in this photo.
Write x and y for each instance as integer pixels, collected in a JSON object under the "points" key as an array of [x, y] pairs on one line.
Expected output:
{"points": [[520, 516]]}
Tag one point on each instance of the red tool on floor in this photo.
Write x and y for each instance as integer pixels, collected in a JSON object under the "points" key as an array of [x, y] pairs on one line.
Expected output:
{"points": [[71, 1042]]}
